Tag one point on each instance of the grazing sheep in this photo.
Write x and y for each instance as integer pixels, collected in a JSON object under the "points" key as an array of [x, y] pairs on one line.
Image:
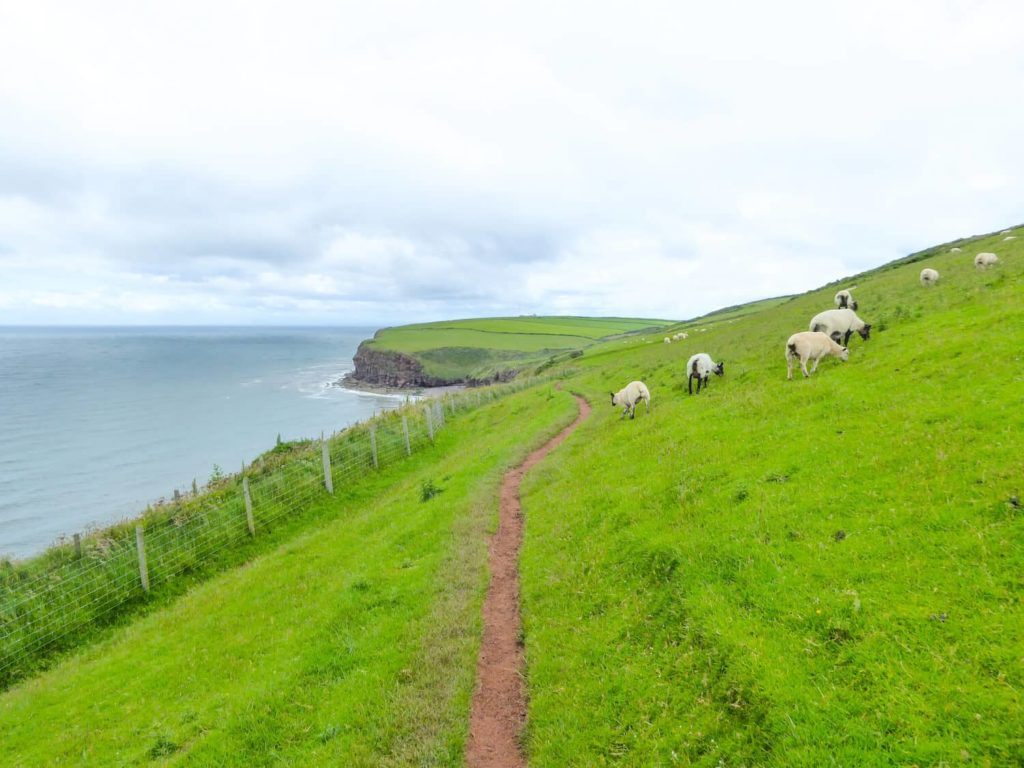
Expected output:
{"points": [[668, 340], [1009, 237], [811, 345], [684, 335], [629, 396], [955, 250], [700, 367], [929, 276], [985, 260], [840, 325], [844, 300]]}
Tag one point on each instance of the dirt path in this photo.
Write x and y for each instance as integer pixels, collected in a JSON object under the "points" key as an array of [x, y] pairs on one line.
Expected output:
{"points": [[499, 701]]}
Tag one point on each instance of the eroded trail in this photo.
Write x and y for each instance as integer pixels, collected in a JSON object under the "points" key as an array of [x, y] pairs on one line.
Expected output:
{"points": [[499, 701]]}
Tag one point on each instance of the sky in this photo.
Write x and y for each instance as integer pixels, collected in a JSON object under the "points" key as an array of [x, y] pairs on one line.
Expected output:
{"points": [[377, 163]]}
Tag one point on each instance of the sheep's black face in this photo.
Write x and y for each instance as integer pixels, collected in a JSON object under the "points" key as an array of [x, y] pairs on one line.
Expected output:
{"points": [[613, 398], [865, 332], [720, 369]]}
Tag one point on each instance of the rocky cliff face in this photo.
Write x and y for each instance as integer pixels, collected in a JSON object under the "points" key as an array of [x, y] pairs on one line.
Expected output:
{"points": [[391, 369], [385, 368]]}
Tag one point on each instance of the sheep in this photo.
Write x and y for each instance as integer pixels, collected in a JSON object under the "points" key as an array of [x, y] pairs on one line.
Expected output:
{"points": [[844, 300], [956, 250], [840, 324], [985, 260], [700, 367], [811, 345], [1009, 237], [684, 335], [629, 396], [668, 340], [929, 276]]}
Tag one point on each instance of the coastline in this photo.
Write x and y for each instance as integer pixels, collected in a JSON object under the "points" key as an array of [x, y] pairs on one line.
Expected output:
{"points": [[348, 382]]}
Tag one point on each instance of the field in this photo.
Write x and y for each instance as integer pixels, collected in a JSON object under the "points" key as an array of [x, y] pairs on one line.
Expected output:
{"points": [[458, 349], [816, 572], [773, 573], [354, 643]]}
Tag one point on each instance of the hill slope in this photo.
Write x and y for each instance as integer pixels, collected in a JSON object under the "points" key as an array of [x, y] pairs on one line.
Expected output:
{"points": [[822, 571], [482, 349], [816, 572]]}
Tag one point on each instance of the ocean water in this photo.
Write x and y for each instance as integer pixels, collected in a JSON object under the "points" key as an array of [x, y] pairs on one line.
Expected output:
{"points": [[97, 422]]}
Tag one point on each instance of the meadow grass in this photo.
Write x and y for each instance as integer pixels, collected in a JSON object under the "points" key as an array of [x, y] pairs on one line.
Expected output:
{"points": [[460, 349], [816, 572], [355, 642]]}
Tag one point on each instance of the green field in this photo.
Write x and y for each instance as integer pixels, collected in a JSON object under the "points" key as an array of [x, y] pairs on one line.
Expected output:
{"points": [[814, 572], [460, 349]]}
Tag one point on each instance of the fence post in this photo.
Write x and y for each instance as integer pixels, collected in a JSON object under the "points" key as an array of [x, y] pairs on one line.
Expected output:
{"points": [[140, 545], [248, 507], [328, 481], [78, 546], [439, 413], [451, 404], [430, 423], [373, 445], [405, 431]]}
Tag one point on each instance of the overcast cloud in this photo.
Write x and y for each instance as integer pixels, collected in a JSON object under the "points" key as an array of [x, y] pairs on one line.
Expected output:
{"points": [[344, 163]]}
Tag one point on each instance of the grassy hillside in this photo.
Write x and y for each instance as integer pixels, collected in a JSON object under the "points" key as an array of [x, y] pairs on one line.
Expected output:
{"points": [[816, 572], [355, 644], [459, 349], [772, 573]]}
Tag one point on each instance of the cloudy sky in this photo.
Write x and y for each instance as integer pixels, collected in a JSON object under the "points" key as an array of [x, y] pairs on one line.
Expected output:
{"points": [[373, 163]]}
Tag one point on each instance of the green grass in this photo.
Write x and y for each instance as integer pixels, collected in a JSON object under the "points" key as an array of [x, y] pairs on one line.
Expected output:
{"points": [[807, 573], [819, 572], [460, 349], [355, 643]]}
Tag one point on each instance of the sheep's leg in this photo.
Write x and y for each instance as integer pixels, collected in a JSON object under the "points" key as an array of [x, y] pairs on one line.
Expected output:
{"points": [[815, 366], [789, 368], [803, 367], [632, 411], [846, 339], [689, 383]]}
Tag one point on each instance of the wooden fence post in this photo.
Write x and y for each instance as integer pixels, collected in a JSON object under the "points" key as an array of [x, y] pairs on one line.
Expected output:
{"points": [[405, 431], [140, 545], [373, 445], [78, 546], [248, 507], [430, 423], [451, 404], [328, 481]]}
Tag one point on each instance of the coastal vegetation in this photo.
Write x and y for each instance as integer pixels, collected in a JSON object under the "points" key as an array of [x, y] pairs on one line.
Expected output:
{"points": [[784, 573], [484, 349]]}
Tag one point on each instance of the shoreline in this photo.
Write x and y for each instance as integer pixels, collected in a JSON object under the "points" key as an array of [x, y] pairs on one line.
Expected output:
{"points": [[351, 384]]}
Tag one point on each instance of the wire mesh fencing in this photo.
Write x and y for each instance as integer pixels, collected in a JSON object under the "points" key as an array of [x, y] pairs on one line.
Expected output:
{"points": [[46, 603]]}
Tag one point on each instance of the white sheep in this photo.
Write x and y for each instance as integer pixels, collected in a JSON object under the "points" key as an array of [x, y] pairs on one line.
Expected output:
{"points": [[844, 300], [840, 324], [929, 276], [955, 250], [668, 340], [985, 260], [1009, 237], [811, 345], [630, 395], [700, 367], [684, 335]]}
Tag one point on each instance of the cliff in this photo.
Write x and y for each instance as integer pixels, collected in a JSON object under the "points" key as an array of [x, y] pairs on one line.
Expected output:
{"points": [[387, 368]]}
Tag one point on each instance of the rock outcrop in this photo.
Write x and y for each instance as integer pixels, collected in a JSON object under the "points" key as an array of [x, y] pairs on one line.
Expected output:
{"points": [[385, 368]]}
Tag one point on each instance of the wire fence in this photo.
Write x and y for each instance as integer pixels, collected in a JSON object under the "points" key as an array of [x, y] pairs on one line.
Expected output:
{"points": [[47, 602]]}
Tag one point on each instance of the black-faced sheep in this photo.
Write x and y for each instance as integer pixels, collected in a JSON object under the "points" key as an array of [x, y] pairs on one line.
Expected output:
{"points": [[700, 367], [844, 300], [840, 325]]}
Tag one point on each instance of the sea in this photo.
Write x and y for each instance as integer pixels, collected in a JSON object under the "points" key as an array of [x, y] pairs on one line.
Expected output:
{"points": [[96, 423]]}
